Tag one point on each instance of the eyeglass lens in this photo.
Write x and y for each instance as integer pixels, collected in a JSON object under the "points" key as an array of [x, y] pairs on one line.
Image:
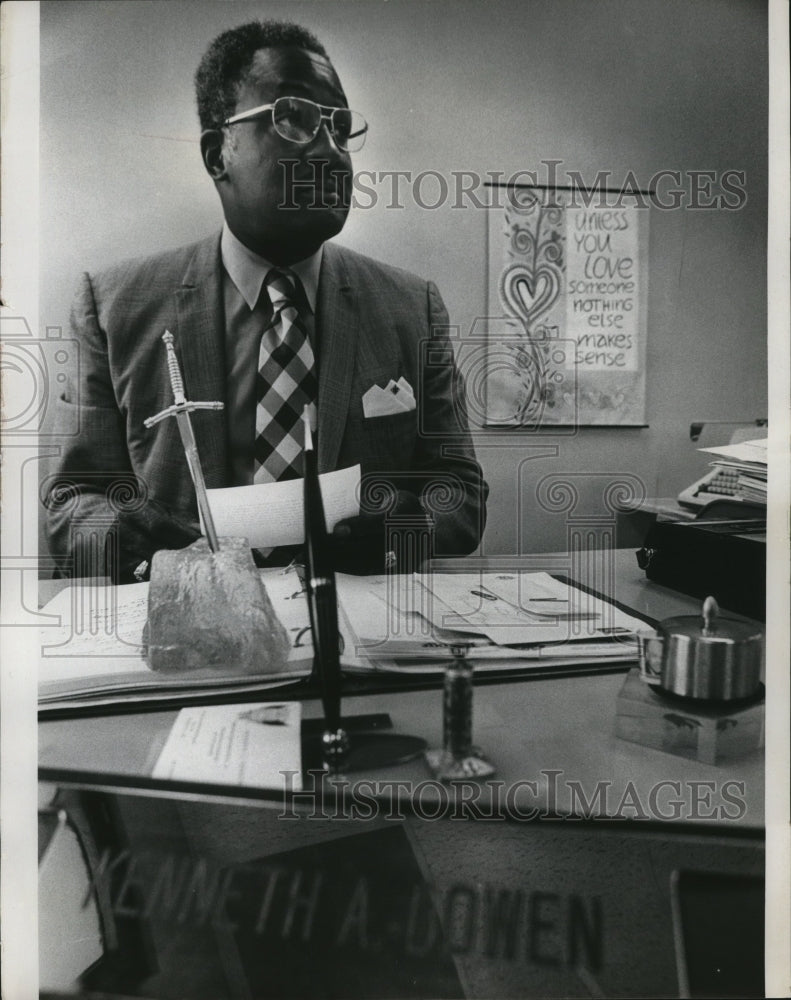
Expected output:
{"points": [[299, 121]]}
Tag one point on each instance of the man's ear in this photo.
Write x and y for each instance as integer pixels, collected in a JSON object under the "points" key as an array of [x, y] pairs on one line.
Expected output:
{"points": [[211, 147]]}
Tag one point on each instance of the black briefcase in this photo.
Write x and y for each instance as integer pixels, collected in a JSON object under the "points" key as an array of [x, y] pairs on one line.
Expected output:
{"points": [[708, 560]]}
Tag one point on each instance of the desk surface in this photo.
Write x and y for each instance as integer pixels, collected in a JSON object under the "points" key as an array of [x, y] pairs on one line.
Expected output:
{"points": [[557, 734], [645, 512]]}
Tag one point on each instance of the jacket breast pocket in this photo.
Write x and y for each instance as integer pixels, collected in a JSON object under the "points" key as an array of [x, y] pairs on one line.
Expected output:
{"points": [[389, 441]]}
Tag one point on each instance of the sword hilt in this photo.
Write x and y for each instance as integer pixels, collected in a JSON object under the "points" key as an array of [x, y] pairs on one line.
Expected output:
{"points": [[176, 381], [180, 402], [181, 408], [176, 408]]}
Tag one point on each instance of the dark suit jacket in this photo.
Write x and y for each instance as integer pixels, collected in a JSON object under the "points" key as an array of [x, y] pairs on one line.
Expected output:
{"points": [[373, 323]]}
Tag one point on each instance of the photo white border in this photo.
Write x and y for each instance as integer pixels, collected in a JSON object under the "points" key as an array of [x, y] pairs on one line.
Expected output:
{"points": [[19, 104]]}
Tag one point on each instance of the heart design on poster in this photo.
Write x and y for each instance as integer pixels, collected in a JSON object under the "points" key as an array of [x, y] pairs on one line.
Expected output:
{"points": [[529, 295]]}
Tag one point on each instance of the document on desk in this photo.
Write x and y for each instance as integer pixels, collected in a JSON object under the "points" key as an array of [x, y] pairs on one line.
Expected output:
{"points": [[248, 745], [403, 623], [96, 620], [754, 452], [523, 609], [271, 514], [92, 651]]}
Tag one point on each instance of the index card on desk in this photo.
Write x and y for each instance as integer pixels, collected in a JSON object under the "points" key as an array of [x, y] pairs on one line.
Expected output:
{"points": [[244, 745]]}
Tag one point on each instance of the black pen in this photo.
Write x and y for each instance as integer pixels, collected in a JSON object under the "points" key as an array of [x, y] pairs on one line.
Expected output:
{"points": [[320, 587]]}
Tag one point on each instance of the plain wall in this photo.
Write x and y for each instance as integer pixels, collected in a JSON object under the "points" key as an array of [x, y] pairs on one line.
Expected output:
{"points": [[451, 85]]}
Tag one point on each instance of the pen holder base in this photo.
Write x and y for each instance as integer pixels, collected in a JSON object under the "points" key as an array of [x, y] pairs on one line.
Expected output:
{"points": [[445, 767], [366, 751]]}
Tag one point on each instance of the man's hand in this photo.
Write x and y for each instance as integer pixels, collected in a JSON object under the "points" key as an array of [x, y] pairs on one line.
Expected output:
{"points": [[136, 535], [375, 543]]}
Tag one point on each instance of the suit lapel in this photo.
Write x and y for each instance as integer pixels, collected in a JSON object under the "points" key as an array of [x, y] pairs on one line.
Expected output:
{"points": [[201, 348], [337, 327]]}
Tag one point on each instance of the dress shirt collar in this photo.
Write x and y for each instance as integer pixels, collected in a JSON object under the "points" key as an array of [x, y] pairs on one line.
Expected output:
{"points": [[247, 270]]}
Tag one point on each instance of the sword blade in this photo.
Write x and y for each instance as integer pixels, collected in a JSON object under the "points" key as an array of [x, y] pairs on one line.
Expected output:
{"points": [[196, 471]]}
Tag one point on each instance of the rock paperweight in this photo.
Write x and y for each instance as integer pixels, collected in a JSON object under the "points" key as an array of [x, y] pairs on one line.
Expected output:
{"points": [[210, 611]]}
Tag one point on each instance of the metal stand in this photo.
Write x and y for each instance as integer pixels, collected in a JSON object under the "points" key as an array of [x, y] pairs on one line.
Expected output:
{"points": [[458, 759]]}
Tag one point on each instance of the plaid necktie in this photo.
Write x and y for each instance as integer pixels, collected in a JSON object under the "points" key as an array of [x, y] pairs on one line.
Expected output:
{"points": [[286, 383]]}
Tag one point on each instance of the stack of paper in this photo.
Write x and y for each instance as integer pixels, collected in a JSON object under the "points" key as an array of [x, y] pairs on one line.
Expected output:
{"points": [[743, 467], [402, 622], [93, 655]]}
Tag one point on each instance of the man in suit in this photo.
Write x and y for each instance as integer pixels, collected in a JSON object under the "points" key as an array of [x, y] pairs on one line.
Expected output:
{"points": [[276, 141]]}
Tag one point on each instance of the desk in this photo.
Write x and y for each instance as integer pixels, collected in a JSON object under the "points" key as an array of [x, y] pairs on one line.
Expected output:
{"points": [[641, 514], [529, 907], [528, 727]]}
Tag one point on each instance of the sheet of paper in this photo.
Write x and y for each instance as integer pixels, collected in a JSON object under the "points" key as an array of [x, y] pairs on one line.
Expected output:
{"points": [[519, 608], [97, 647], [96, 619], [271, 514], [100, 632], [745, 451], [384, 607], [287, 593], [247, 745], [383, 618]]}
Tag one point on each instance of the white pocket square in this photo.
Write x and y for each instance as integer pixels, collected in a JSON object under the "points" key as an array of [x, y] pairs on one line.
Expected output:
{"points": [[396, 397]]}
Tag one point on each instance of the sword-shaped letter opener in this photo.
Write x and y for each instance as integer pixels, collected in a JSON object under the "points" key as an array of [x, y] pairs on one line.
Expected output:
{"points": [[181, 410]]}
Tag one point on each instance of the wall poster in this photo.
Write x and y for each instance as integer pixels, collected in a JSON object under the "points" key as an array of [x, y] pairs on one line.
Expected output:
{"points": [[567, 279]]}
